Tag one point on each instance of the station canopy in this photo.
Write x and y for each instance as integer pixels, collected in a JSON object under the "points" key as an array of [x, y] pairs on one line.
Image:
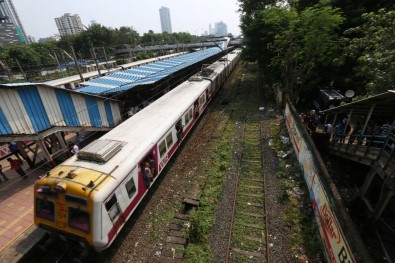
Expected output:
{"points": [[145, 74]]}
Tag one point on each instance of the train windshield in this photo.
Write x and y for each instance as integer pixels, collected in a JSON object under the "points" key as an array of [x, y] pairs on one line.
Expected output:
{"points": [[45, 209], [79, 219]]}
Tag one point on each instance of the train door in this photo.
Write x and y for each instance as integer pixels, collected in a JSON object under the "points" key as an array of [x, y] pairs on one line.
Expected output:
{"points": [[149, 168], [196, 109], [179, 130], [114, 211]]}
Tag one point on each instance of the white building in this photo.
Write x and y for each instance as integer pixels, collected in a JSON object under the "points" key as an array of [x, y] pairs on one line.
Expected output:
{"points": [[221, 29], [165, 20], [69, 24]]}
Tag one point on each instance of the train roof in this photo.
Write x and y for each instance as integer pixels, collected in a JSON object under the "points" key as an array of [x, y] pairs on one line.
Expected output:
{"points": [[141, 131], [137, 135]]}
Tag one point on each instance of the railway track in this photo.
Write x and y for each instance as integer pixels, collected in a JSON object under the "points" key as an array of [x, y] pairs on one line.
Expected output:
{"points": [[249, 228]]}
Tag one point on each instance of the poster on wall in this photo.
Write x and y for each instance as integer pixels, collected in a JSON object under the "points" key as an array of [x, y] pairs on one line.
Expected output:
{"points": [[337, 249]]}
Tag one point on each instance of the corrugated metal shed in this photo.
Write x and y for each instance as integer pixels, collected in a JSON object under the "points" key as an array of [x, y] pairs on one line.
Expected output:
{"points": [[31, 108], [145, 74]]}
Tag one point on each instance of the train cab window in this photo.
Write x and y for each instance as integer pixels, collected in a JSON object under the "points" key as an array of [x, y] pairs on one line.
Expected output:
{"points": [[75, 199], [45, 209], [169, 140], [79, 219], [130, 187], [112, 207], [162, 148]]}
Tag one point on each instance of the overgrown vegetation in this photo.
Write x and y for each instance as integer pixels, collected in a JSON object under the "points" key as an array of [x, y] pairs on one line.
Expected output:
{"points": [[299, 214], [306, 45], [198, 249]]}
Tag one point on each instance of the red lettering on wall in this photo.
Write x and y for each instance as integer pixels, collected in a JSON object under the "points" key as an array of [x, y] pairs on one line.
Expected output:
{"points": [[329, 223]]}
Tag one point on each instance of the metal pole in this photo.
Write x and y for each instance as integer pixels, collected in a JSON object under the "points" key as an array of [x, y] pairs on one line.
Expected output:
{"points": [[57, 60], [20, 68], [76, 63], [105, 56], [93, 52]]}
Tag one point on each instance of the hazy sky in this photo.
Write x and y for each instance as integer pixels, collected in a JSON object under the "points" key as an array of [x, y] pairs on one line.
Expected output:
{"points": [[37, 16]]}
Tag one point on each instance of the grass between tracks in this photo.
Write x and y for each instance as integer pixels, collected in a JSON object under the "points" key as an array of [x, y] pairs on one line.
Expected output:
{"points": [[198, 249]]}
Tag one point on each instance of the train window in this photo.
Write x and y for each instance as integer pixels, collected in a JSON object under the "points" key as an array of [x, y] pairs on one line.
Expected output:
{"points": [[45, 209], [79, 219], [162, 148], [130, 187], [190, 114], [169, 140], [76, 199], [202, 100], [112, 207]]}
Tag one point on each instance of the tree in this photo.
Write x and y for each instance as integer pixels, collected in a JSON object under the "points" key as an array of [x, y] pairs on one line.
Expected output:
{"points": [[43, 49], [309, 41], [27, 57], [372, 46], [127, 35]]}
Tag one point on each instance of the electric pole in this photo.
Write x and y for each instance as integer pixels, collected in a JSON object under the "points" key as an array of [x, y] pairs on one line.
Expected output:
{"points": [[93, 54], [76, 63]]}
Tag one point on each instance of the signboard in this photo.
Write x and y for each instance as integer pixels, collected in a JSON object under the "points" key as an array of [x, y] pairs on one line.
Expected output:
{"points": [[331, 233]]}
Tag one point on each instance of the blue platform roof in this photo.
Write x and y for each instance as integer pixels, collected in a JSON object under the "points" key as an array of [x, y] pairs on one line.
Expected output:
{"points": [[145, 74]]}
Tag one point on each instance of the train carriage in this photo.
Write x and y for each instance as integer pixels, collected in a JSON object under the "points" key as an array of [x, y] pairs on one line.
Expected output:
{"points": [[90, 196]]}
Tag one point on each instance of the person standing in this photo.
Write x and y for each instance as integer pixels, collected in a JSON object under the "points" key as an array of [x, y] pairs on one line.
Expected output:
{"points": [[17, 166], [14, 150], [2, 173]]}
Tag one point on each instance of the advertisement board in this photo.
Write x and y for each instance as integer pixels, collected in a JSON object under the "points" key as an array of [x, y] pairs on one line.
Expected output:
{"points": [[337, 249]]}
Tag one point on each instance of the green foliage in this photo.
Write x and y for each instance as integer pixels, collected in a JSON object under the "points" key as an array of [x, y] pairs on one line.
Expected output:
{"points": [[25, 54], [43, 49], [309, 41], [289, 45], [372, 46], [145, 55]]}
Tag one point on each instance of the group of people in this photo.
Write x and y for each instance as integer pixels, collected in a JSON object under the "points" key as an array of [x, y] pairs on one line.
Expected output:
{"points": [[310, 120], [373, 135]]}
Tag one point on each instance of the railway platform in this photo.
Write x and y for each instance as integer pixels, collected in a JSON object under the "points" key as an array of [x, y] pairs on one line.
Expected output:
{"points": [[17, 231], [18, 234]]}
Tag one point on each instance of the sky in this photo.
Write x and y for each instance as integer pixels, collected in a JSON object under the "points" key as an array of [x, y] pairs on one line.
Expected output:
{"points": [[37, 16]]}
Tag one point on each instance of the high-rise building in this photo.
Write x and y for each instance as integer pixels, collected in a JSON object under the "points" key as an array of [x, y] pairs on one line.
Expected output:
{"points": [[165, 20], [8, 15], [210, 30], [69, 24], [221, 29]]}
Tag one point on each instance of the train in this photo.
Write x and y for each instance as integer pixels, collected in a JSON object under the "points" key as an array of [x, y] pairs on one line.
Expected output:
{"points": [[89, 197]]}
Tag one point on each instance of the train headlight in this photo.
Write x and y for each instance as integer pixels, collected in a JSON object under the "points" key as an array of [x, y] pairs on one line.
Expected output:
{"points": [[43, 189]]}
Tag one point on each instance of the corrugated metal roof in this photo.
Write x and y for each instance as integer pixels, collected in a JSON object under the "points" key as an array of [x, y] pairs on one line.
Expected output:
{"points": [[384, 106], [31, 108], [145, 74]]}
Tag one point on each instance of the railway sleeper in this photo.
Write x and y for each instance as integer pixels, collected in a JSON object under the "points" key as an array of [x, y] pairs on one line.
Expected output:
{"points": [[255, 226], [249, 178], [248, 253], [250, 195], [252, 214], [252, 159], [251, 186], [253, 204]]}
